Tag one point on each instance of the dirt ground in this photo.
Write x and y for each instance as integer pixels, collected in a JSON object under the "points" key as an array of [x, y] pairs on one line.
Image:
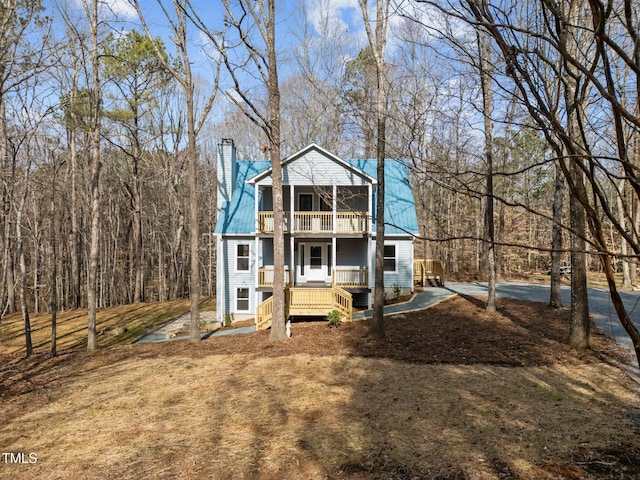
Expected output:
{"points": [[451, 393]]}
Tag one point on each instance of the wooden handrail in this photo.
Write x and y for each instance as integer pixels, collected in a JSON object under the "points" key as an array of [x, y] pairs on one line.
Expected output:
{"points": [[264, 314], [318, 222], [265, 277], [425, 269], [307, 301], [350, 277]]}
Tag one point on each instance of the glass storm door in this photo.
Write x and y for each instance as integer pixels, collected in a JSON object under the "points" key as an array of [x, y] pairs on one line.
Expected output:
{"points": [[312, 258]]}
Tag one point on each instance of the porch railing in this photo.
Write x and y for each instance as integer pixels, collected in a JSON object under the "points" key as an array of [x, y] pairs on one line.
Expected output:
{"points": [[307, 301], [319, 301], [429, 269], [265, 277], [350, 278], [265, 222], [318, 222]]}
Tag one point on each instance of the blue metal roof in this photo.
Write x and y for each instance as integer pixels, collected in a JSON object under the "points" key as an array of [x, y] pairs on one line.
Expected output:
{"points": [[238, 216], [400, 208]]}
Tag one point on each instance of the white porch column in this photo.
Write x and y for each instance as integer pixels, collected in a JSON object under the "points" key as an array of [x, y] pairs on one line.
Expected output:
{"points": [[292, 264], [370, 269], [334, 207], [370, 216], [334, 262], [256, 194], [291, 209]]}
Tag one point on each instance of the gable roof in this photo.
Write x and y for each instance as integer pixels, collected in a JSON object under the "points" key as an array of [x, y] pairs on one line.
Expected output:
{"points": [[237, 217], [309, 148]]}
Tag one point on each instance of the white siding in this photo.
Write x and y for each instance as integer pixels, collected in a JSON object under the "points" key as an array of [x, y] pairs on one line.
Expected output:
{"points": [[232, 279], [314, 168]]}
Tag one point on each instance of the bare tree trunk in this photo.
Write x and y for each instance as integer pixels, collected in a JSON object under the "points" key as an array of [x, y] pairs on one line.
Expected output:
{"points": [[23, 271], [74, 237], [194, 284], [489, 222], [92, 278], [626, 274], [278, 325], [580, 327], [378, 42], [53, 299], [555, 299]]}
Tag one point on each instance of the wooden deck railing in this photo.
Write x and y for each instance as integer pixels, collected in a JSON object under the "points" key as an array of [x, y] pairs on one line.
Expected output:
{"points": [[307, 301], [424, 270], [265, 222], [352, 222], [343, 302], [264, 314], [265, 277], [350, 278], [318, 222]]}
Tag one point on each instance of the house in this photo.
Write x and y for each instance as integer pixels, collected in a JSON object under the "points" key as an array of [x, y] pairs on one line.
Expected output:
{"points": [[330, 232]]}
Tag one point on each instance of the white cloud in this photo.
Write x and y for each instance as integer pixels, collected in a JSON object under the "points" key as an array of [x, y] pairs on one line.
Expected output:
{"points": [[329, 13], [120, 9]]}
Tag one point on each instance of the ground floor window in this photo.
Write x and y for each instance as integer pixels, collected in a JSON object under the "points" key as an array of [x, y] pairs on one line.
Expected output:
{"points": [[389, 258], [242, 299]]}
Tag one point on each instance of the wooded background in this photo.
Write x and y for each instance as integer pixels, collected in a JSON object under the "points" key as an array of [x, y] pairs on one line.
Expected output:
{"points": [[435, 119]]}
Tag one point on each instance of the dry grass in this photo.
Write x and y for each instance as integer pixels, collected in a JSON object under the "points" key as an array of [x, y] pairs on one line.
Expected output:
{"points": [[128, 323], [245, 408]]}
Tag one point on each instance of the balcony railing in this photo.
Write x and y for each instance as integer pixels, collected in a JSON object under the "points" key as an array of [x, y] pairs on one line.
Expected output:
{"points": [[318, 222]]}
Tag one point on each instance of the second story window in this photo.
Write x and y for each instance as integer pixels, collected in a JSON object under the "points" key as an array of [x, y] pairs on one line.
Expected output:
{"points": [[242, 257]]}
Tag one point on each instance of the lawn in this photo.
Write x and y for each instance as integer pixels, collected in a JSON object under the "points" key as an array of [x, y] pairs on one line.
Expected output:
{"points": [[116, 326], [452, 393]]}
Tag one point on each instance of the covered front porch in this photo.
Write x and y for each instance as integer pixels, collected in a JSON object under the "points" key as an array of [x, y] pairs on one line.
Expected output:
{"points": [[318, 263], [347, 278]]}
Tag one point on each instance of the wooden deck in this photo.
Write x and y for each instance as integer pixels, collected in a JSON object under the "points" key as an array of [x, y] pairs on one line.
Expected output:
{"points": [[307, 302], [428, 272]]}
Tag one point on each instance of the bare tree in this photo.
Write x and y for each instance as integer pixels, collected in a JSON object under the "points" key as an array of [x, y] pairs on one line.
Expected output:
{"points": [[178, 20], [91, 10], [377, 42], [254, 24], [484, 67]]}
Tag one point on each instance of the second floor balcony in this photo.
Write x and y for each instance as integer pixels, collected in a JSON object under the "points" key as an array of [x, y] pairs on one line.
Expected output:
{"points": [[318, 222]]}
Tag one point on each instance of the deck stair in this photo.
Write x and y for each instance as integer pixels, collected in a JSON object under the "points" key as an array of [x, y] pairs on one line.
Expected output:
{"points": [[307, 302]]}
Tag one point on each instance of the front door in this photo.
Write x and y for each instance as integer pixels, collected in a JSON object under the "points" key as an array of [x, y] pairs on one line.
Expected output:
{"points": [[312, 262]]}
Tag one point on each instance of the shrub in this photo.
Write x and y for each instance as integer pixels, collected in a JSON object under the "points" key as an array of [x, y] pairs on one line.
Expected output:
{"points": [[228, 319], [335, 318]]}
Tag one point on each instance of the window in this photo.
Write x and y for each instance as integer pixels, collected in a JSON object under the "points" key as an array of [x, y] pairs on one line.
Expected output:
{"points": [[242, 258], [305, 202], [389, 258], [315, 257], [242, 299]]}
